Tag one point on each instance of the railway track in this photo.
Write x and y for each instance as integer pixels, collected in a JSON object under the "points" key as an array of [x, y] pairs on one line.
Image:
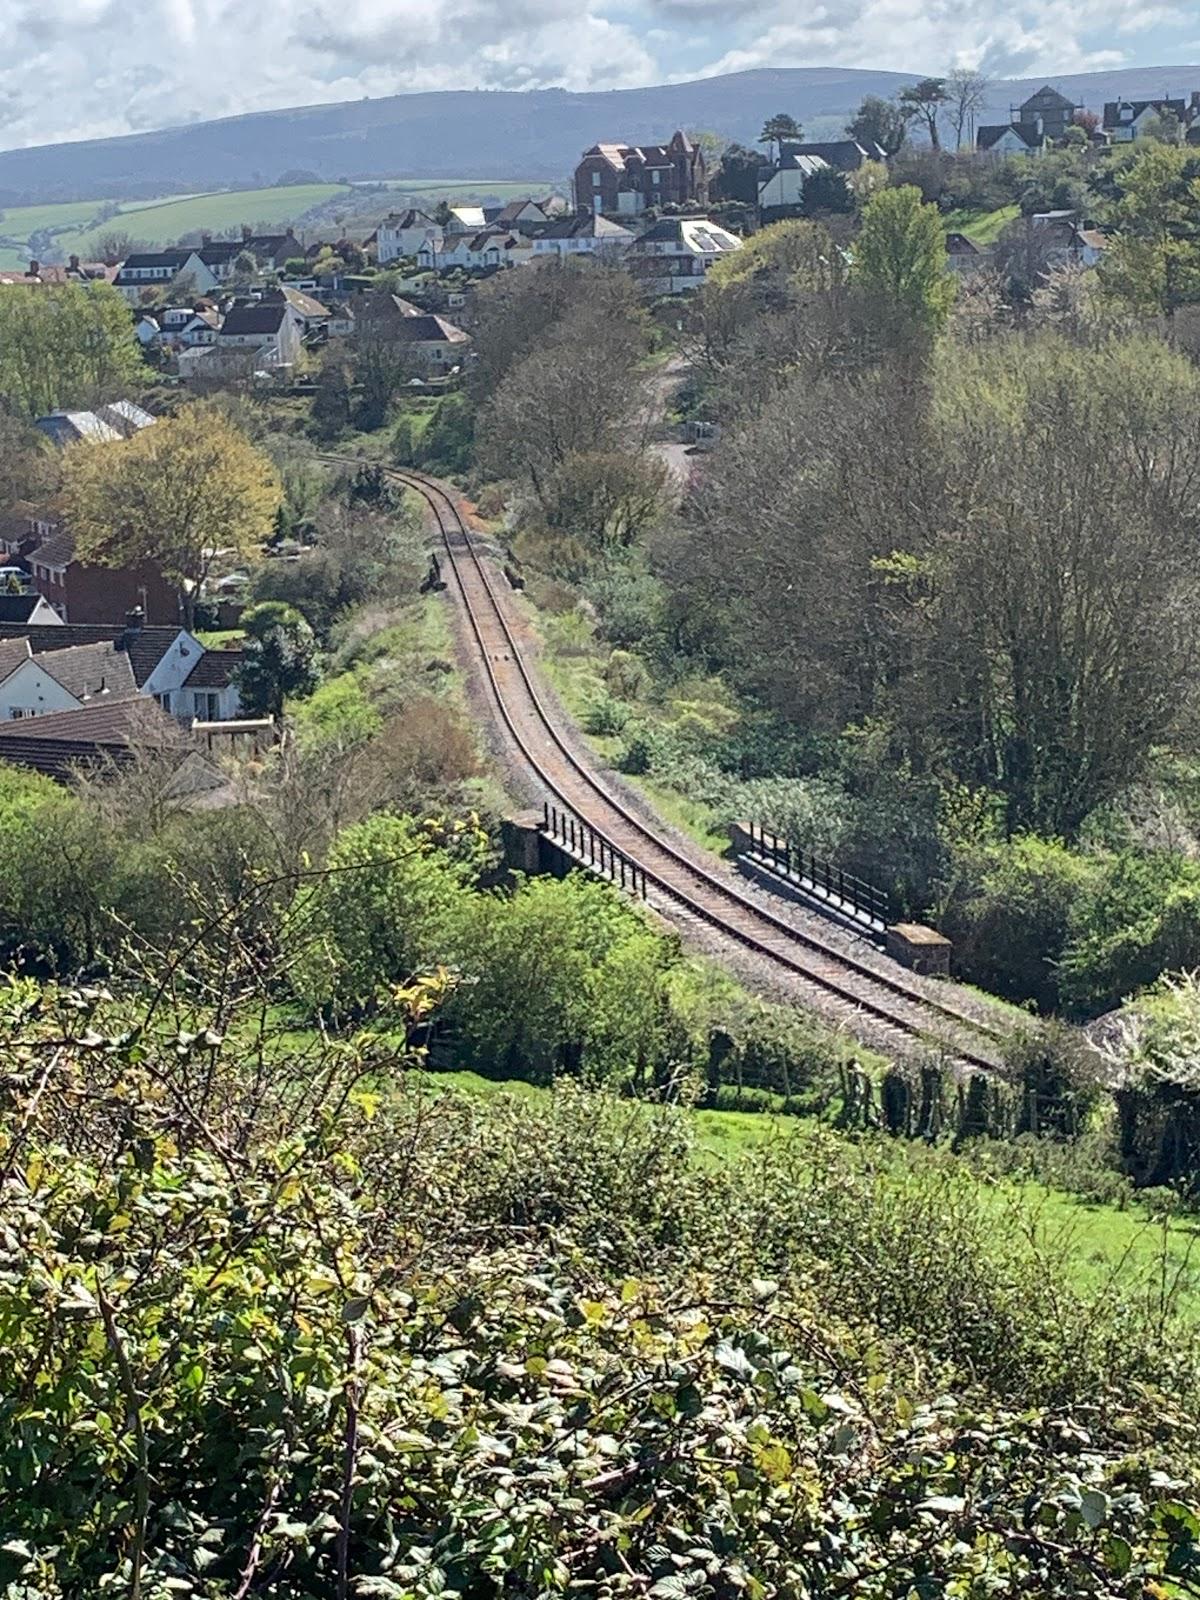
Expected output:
{"points": [[900, 1010]]}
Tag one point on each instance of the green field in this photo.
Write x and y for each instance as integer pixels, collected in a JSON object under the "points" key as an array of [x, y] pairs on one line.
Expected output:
{"points": [[75, 225], [981, 227]]}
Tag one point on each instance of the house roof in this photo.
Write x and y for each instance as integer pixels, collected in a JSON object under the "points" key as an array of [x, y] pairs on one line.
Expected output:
{"points": [[69, 427], [847, 155], [957, 244], [1137, 108], [214, 669], [796, 161], [126, 417], [301, 302], [108, 730], [992, 134], [57, 549], [412, 218], [90, 670], [426, 328], [696, 235], [1048, 97], [591, 226], [145, 647], [175, 257], [258, 316], [17, 608], [12, 653]]}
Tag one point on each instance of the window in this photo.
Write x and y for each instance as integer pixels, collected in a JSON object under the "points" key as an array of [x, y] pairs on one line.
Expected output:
{"points": [[656, 178], [164, 700], [208, 706], [595, 180]]}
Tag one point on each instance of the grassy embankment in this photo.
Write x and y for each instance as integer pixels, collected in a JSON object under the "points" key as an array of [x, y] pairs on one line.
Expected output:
{"points": [[983, 228]]}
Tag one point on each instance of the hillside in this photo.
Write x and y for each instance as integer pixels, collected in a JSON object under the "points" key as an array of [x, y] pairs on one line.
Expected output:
{"points": [[511, 135]]}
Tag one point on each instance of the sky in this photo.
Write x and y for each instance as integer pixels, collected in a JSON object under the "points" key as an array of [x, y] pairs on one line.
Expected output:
{"points": [[89, 68]]}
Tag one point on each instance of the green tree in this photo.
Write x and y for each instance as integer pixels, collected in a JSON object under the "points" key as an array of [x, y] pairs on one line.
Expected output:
{"points": [[1153, 263], [900, 258], [881, 122], [924, 101], [778, 128], [68, 345], [827, 190], [281, 660], [736, 178]]}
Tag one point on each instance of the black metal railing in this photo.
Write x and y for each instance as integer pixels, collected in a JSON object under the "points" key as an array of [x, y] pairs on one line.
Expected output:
{"points": [[832, 882], [581, 841]]}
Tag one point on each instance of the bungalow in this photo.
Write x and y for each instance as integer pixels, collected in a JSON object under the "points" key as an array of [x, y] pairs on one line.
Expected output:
{"points": [[166, 664], [675, 254], [101, 734], [482, 251], [518, 216], [435, 345], [581, 235]]}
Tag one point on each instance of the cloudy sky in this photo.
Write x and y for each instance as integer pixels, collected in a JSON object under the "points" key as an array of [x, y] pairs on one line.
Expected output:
{"points": [[77, 68]]}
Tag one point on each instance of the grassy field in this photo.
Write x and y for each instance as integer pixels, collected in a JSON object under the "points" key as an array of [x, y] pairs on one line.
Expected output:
{"points": [[75, 227], [1095, 1247], [981, 227]]}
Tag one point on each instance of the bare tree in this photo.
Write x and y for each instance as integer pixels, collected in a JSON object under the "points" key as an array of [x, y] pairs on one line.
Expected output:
{"points": [[966, 92]]}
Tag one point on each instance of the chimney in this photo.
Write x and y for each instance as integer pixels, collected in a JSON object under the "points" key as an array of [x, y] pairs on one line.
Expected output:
{"points": [[34, 268], [133, 626], [247, 232], [205, 236], [73, 263]]}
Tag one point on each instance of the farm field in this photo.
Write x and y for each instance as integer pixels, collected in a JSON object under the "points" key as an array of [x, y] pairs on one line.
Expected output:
{"points": [[75, 226]]}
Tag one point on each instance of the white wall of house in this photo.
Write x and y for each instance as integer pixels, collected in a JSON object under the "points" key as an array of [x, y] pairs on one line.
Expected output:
{"points": [[30, 691], [391, 243], [1011, 144]]}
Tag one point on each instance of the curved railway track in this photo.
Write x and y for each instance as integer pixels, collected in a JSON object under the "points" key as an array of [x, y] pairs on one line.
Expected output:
{"points": [[900, 1009]]}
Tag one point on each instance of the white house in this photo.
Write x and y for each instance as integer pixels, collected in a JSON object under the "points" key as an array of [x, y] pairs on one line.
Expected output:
{"points": [[676, 253], [475, 252], [46, 669], [1011, 139], [784, 189], [466, 219], [587, 235], [402, 233], [1127, 120], [433, 343]]}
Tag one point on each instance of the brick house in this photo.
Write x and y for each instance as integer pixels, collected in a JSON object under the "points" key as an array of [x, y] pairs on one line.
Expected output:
{"points": [[625, 179], [41, 543]]}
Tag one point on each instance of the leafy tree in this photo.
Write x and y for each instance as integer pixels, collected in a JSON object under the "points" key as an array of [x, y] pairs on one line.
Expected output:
{"points": [[924, 101], [827, 190], [281, 661], [881, 122], [736, 178], [174, 494], [900, 258], [778, 128], [65, 345], [331, 401], [1153, 263]]}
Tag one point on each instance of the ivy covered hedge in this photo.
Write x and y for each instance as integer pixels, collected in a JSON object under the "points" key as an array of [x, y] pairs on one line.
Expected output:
{"points": [[288, 1323]]}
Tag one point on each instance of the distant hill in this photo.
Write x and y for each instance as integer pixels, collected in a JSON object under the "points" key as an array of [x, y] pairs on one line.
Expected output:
{"points": [[484, 133]]}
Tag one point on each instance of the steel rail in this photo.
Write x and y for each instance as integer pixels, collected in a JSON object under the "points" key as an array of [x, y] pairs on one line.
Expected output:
{"points": [[850, 977]]}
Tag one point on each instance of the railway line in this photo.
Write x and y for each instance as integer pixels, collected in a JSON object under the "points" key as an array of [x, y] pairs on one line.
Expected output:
{"points": [[877, 999]]}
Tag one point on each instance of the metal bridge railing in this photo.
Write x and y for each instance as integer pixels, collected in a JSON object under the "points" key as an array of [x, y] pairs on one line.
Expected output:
{"points": [[581, 841], [854, 894]]}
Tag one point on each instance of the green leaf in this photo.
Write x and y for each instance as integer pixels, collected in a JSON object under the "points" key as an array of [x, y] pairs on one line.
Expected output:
{"points": [[1093, 1506], [1117, 1554]]}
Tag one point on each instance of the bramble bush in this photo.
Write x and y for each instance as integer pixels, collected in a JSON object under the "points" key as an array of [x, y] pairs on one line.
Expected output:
{"points": [[288, 1323]]}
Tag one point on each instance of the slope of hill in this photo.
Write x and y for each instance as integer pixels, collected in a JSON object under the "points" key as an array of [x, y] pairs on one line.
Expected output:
{"points": [[536, 134]]}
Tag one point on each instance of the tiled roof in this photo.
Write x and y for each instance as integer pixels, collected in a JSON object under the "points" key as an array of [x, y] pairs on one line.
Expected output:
{"points": [[215, 669], [429, 329], [89, 671], [145, 647], [12, 653], [64, 741], [262, 316], [57, 549]]}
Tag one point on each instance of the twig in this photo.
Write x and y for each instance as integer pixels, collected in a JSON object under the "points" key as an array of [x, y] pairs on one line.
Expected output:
{"points": [[142, 1480]]}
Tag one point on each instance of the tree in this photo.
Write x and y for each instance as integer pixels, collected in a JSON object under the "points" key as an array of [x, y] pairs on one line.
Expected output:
{"points": [[924, 101], [736, 178], [28, 462], [709, 143], [383, 359], [68, 345], [881, 122], [966, 93], [1153, 263], [1164, 127], [1089, 121], [114, 246], [281, 661], [778, 128], [900, 258], [827, 190], [331, 400], [175, 494]]}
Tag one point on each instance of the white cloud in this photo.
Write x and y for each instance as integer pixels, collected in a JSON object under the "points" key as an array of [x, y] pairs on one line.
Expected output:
{"points": [[74, 68]]}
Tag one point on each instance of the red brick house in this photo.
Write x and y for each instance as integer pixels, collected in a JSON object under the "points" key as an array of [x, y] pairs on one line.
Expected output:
{"points": [[624, 179], [79, 592]]}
